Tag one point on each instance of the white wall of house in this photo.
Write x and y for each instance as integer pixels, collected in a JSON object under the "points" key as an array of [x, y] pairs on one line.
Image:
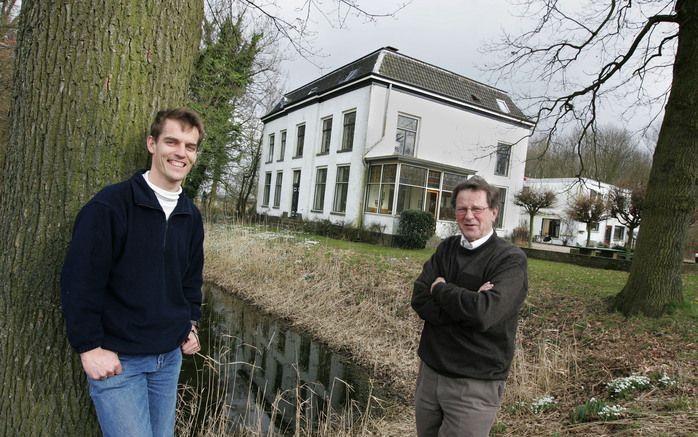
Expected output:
{"points": [[312, 116], [450, 135], [566, 189], [447, 134]]}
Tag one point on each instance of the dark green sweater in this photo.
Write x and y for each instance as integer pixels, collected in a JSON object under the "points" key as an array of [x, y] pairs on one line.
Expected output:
{"points": [[469, 333]]}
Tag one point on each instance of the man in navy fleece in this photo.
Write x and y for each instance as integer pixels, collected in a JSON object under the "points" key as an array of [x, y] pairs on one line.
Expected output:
{"points": [[131, 284], [469, 295]]}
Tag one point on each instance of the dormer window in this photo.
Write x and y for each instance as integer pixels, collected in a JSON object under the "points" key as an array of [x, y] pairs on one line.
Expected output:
{"points": [[503, 106]]}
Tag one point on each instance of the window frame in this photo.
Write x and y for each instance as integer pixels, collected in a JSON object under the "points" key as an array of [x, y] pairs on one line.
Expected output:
{"points": [[300, 140], [267, 189], [498, 171], [270, 156], [342, 185], [400, 148], [348, 132], [319, 191], [277, 189], [325, 135], [282, 145]]}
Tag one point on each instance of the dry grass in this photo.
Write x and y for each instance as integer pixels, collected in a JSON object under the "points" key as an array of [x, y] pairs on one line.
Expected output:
{"points": [[568, 346]]}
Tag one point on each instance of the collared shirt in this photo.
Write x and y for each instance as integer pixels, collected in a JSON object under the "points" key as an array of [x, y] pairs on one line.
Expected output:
{"points": [[472, 245]]}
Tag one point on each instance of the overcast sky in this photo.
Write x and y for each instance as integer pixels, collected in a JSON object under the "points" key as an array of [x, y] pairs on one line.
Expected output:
{"points": [[448, 33]]}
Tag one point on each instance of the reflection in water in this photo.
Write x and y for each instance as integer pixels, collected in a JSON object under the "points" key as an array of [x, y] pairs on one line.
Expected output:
{"points": [[269, 361]]}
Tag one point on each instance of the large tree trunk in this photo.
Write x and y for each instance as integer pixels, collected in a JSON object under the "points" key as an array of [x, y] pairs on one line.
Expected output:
{"points": [[654, 284], [89, 78]]}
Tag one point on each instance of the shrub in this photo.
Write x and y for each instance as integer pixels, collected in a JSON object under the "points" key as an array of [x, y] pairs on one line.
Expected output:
{"points": [[416, 227], [519, 235]]}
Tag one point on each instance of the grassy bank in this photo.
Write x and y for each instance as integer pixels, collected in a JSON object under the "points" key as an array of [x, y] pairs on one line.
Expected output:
{"points": [[356, 298]]}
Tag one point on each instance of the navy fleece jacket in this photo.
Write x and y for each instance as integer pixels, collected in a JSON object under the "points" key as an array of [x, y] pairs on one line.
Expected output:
{"points": [[131, 281]]}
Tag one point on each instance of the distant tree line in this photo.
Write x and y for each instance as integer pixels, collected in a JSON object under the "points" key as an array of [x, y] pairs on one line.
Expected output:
{"points": [[610, 155]]}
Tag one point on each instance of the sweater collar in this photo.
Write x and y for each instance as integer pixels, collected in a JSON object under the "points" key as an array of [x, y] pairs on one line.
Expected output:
{"points": [[143, 195]]}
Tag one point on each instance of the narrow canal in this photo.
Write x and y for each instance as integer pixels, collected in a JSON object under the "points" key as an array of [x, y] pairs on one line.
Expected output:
{"points": [[255, 371]]}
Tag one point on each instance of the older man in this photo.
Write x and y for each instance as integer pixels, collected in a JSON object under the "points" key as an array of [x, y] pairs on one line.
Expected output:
{"points": [[469, 295]]}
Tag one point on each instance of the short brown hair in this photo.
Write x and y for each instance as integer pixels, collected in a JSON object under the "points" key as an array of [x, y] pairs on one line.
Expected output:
{"points": [[477, 183], [187, 117]]}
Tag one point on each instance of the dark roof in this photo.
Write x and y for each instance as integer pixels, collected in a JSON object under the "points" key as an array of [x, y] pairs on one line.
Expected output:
{"points": [[389, 64]]}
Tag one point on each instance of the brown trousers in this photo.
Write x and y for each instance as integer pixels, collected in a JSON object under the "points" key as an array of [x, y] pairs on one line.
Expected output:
{"points": [[455, 407]]}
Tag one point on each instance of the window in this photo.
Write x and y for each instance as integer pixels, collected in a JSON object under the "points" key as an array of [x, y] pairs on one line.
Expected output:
{"points": [[341, 188], [503, 106], [502, 201], [300, 140], [503, 155], [406, 135], [618, 233], [411, 190], [320, 183], [348, 131], [267, 189], [380, 189], [418, 188], [277, 189], [282, 146], [595, 227], [326, 135], [550, 228], [270, 158], [446, 211]]}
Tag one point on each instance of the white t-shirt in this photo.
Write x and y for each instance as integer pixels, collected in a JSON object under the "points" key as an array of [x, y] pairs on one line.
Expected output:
{"points": [[167, 199]]}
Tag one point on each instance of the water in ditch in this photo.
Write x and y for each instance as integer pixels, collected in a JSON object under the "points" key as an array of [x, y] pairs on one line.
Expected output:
{"points": [[260, 373]]}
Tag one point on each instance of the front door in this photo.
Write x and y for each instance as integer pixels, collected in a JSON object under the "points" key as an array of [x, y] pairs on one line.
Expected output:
{"points": [[294, 194]]}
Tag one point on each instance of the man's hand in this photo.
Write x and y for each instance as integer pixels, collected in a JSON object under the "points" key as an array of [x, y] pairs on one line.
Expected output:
{"points": [[486, 286], [100, 363], [191, 344], [438, 280]]}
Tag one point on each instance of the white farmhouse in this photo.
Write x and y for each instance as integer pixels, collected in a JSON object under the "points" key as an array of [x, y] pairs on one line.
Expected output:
{"points": [[554, 224], [387, 133]]}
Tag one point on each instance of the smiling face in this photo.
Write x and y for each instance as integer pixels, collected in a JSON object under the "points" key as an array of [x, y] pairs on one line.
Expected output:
{"points": [[173, 154], [475, 218]]}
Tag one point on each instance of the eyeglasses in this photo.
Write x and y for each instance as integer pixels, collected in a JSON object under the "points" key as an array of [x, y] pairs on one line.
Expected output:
{"points": [[477, 211]]}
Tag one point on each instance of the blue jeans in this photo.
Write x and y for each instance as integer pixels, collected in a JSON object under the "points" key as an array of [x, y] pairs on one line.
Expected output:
{"points": [[141, 400]]}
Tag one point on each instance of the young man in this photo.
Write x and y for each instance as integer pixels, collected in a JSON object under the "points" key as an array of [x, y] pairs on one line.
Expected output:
{"points": [[469, 295], [131, 284]]}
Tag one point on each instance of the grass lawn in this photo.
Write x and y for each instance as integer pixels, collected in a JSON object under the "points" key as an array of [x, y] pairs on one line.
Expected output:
{"points": [[576, 367]]}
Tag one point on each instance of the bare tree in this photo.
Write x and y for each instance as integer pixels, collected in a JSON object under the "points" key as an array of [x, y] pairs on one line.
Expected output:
{"points": [[613, 157], [626, 207], [298, 32], [589, 209], [532, 201], [628, 45]]}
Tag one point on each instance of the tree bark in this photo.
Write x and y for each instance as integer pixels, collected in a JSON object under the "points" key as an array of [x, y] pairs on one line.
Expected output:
{"points": [[654, 285], [89, 77]]}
